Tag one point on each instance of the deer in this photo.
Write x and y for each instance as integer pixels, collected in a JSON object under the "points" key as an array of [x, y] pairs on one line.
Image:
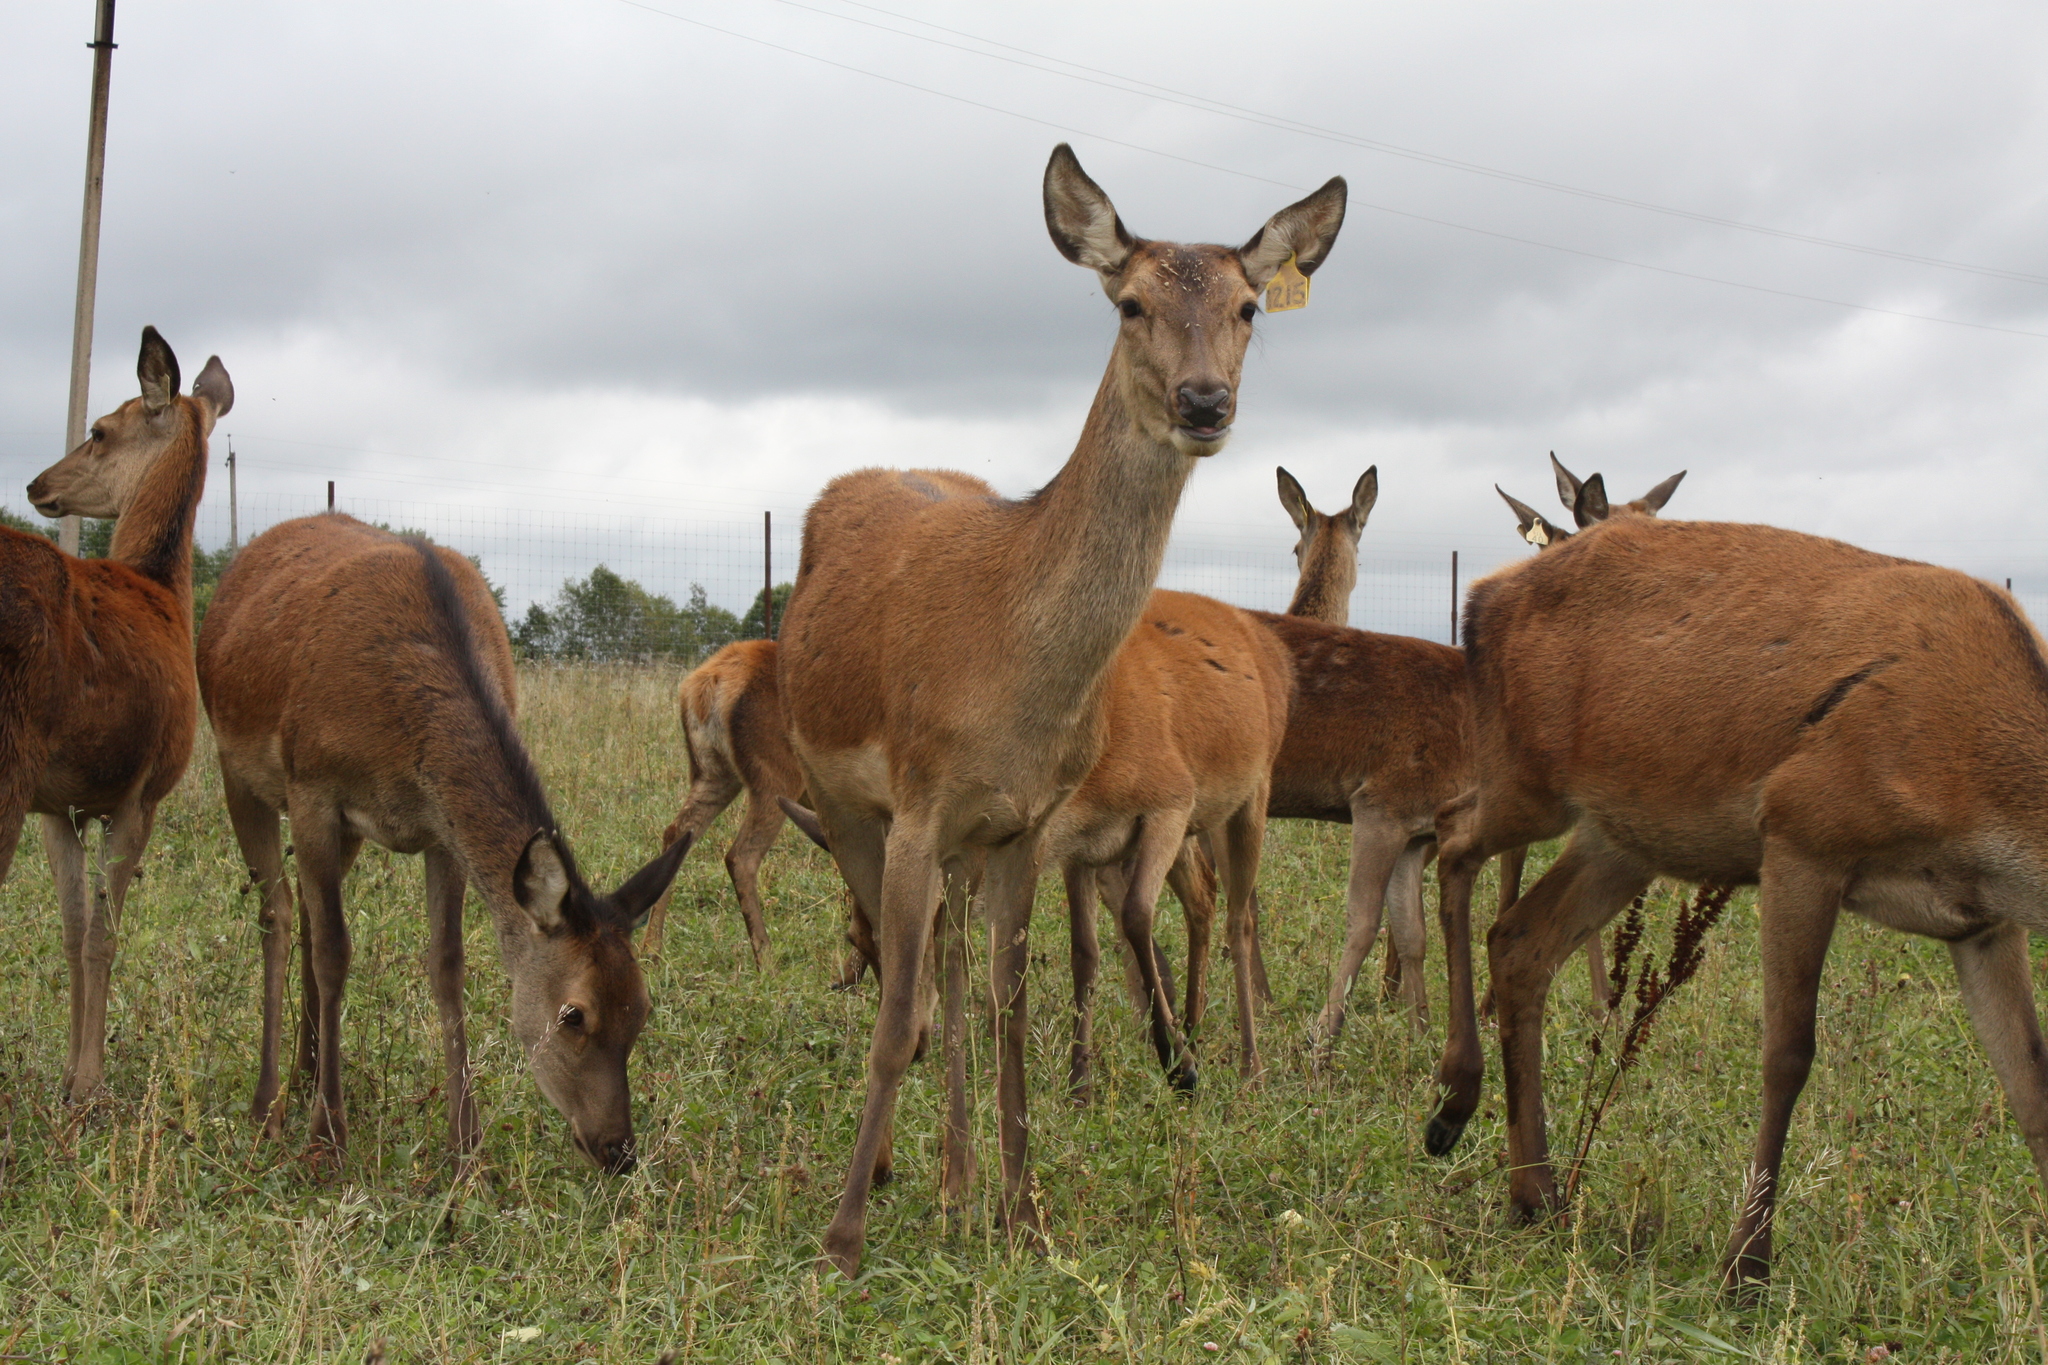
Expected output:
{"points": [[736, 740], [1378, 738], [97, 698], [360, 684], [1744, 705], [1196, 708], [1326, 555], [945, 653]]}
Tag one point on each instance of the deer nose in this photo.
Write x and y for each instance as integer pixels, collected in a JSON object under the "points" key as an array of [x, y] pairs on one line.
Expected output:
{"points": [[1203, 407], [617, 1157]]}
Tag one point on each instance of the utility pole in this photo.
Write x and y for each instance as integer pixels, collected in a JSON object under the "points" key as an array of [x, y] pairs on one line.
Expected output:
{"points": [[330, 495], [234, 510], [88, 249], [1454, 597], [767, 576]]}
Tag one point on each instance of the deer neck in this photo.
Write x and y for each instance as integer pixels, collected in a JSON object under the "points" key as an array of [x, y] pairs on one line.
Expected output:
{"points": [[153, 534], [1327, 577], [1092, 543]]}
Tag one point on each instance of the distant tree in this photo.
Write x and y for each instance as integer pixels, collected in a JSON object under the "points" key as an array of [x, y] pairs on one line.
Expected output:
{"points": [[751, 624], [606, 618], [47, 530]]}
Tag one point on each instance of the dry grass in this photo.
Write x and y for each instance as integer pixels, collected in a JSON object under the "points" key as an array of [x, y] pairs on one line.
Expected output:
{"points": [[1298, 1221]]}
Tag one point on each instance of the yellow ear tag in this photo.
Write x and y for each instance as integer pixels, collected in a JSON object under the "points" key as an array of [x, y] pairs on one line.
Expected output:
{"points": [[1287, 290], [1536, 535]]}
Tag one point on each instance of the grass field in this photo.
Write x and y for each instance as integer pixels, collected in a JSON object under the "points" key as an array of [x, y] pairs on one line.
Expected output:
{"points": [[1300, 1220]]}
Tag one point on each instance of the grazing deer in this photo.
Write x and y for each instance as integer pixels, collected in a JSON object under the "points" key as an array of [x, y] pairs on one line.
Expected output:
{"points": [[945, 656], [1327, 552], [734, 734], [361, 684], [97, 698], [1195, 709], [1741, 704]]}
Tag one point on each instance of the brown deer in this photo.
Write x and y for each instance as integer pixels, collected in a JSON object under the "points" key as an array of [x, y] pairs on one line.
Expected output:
{"points": [[361, 684], [97, 698], [1195, 710], [1741, 704], [945, 657], [1327, 552], [736, 739]]}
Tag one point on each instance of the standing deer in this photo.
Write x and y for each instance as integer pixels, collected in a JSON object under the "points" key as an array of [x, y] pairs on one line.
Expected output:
{"points": [[97, 698], [736, 739], [1741, 704], [1195, 710], [945, 656], [361, 684]]}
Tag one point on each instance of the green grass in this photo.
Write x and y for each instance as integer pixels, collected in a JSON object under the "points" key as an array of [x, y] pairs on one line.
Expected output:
{"points": [[1296, 1221]]}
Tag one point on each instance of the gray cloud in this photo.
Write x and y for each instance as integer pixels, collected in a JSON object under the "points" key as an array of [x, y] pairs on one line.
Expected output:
{"points": [[580, 237]]}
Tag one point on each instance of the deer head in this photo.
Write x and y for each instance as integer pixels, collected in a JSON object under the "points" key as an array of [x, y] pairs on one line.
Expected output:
{"points": [[578, 999], [1186, 311], [100, 477], [1588, 500], [1332, 534]]}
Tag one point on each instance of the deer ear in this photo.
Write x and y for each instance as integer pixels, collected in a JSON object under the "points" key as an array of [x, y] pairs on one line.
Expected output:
{"points": [[638, 893], [1567, 483], [1530, 523], [1591, 504], [214, 388], [1294, 500], [805, 820], [540, 882], [1082, 221], [157, 368], [1304, 230], [1661, 494], [1364, 494]]}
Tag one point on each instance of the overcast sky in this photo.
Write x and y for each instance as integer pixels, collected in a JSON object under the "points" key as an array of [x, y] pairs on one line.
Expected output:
{"points": [[561, 265]]}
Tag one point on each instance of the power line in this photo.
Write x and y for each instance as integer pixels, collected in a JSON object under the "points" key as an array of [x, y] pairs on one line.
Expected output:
{"points": [[1300, 189], [1205, 104]]}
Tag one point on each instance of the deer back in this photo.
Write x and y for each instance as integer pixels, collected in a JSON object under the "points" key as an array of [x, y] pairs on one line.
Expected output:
{"points": [[1688, 683], [732, 713], [1386, 715]]}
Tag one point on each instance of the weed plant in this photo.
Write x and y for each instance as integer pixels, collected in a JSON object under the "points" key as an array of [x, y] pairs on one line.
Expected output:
{"points": [[1296, 1221]]}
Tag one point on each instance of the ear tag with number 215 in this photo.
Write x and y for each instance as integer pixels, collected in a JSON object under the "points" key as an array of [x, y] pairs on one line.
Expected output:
{"points": [[1288, 289]]}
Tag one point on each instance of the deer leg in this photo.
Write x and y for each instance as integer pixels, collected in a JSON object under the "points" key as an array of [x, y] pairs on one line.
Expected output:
{"points": [[1193, 879], [1796, 908], [121, 849], [957, 1165], [1159, 844], [64, 846], [1408, 941], [445, 969], [325, 849], [259, 838], [1011, 878], [1244, 837], [1588, 884], [713, 786], [1086, 952], [909, 887], [1376, 846], [764, 820], [1997, 987], [858, 844]]}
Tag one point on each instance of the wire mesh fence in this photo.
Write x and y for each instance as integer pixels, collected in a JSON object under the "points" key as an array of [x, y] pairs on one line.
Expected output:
{"points": [[681, 588]]}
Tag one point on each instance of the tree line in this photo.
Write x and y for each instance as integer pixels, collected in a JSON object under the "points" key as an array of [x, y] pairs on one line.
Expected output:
{"points": [[601, 618]]}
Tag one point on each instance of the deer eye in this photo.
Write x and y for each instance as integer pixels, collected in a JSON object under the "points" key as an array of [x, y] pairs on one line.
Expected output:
{"points": [[570, 1017], [98, 434], [1248, 312], [1131, 309]]}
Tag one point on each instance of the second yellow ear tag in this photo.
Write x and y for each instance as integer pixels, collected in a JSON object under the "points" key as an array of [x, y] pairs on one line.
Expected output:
{"points": [[1288, 289]]}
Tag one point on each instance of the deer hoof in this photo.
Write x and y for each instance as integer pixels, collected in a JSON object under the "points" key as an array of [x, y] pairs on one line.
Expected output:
{"points": [[1441, 1135]]}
